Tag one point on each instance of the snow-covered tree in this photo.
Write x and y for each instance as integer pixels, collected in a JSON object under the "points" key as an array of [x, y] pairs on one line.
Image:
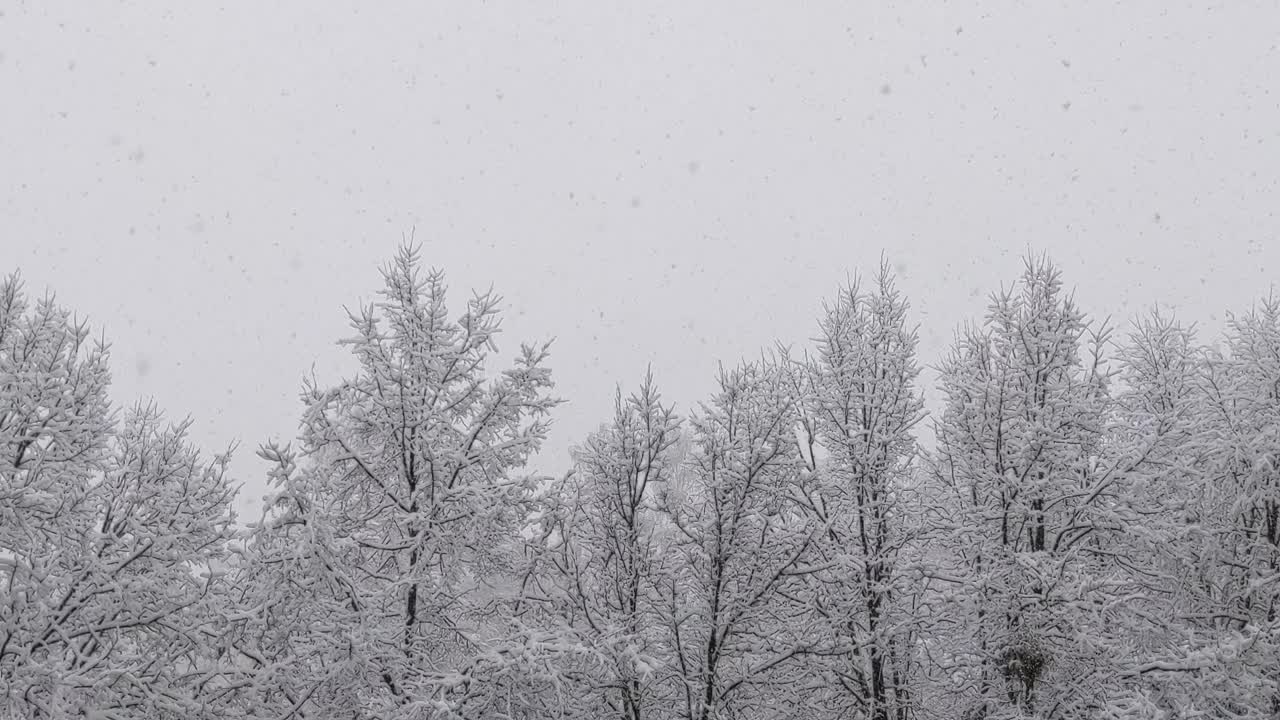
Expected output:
{"points": [[110, 540], [1152, 448], [1193, 434], [734, 596], [1018, 448], [599, 573], [1213, 638], [860, 406], [395, 531]]}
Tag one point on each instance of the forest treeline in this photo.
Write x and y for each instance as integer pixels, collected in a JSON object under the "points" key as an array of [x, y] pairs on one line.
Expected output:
{"points": [[1095, 532]]}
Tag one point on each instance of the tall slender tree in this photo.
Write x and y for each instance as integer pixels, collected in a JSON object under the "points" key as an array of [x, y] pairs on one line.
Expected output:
{"points": [[860, 406]]}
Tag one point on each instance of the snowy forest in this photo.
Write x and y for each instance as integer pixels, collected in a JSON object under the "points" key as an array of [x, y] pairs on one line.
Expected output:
{"points": [[1088, 526]]}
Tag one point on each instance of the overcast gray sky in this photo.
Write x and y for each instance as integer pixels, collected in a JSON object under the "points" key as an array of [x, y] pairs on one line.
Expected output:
{"points": [[673, 183]]}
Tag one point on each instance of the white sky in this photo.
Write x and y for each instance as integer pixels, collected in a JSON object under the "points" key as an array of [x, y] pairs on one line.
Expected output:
{"points": [[672, 183]]}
